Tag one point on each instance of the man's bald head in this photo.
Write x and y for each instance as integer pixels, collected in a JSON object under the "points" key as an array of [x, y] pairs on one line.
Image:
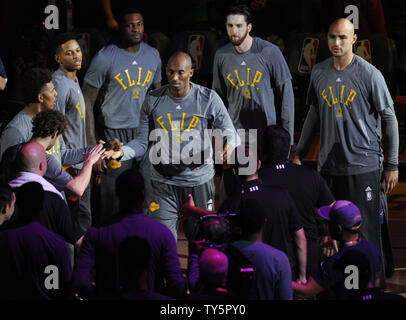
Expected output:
{"points": [[213, 268], [341, 37], [343, 24], [179, 71], [181, 57], [32, 158]]}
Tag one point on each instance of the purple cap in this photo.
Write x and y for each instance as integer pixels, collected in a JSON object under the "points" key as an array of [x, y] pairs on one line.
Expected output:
{"points": [[344, 213]]}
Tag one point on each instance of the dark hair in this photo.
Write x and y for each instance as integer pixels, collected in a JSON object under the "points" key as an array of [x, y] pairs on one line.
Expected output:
{"points": [[242, 10], [275, 144], [251, 217], [214, 229], [34, 81], [10, 165], [134, 255], [130, 188], [47, 122], [60, 39], [6, 195], [126, 11], [30, 201]]}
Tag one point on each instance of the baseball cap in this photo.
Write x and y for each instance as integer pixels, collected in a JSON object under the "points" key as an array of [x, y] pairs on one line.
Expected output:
{"points": [[344, 213]]}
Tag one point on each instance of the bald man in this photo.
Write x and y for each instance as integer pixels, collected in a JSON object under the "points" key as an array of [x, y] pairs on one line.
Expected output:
{"points": [[349, 101], [55, 214], [210, 273], [179, 115]]}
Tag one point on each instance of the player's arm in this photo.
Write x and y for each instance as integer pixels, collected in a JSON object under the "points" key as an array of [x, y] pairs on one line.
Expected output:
{"points": [[139, 145], [391, 143], [218, 84], [309, 130], [3, 82], [285, 91], [79, 183], [223, 121], [90, 94]]}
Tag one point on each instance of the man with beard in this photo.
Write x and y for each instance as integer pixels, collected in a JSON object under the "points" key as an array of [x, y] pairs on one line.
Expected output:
{"points": [[249, 74], [126, 70]]}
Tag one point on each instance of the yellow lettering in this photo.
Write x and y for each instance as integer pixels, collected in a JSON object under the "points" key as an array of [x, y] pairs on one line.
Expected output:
{"points": [[248, 76], [334, 100], [257, 78], [130, 82], [325, 97], [240, 83], [147, 78], [193, 123], [342, 93], [183, 120], [231, 81], [84, 105], [139, 75], [351, 97], [162, 124], [78, 107], [120, 80], [170, 122]]}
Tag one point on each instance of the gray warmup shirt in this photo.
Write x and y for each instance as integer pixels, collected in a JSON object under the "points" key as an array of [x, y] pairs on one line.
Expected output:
{"points": [[18, 130], [182, 121], [71, 103], [127, 77], [348, 105], [246, 83]]}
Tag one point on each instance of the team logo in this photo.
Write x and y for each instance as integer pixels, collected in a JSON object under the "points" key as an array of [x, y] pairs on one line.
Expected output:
{"points": [[113, 164], [368, 192], [363, 49], [84, 42], [153, 206], [308, 55], [195, 49]]}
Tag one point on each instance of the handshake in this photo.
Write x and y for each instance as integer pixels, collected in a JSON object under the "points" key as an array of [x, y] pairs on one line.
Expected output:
{"points": [[112, 149]]}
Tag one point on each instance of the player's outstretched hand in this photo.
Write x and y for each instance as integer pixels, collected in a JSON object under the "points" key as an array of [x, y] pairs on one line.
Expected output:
{"points": [[94, 155]]}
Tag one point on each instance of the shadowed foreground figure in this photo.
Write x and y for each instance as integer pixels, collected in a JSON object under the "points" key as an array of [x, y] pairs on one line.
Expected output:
{"points": [[99, 249]]}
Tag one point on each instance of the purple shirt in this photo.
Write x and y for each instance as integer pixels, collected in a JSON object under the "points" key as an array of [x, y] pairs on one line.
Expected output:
{"points": [[99, 249], [25, 253]]}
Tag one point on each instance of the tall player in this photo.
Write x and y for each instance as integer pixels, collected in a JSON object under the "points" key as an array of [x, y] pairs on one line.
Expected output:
{"points": [[349, 101], [248, 74], [70, 102], [126, 70]]}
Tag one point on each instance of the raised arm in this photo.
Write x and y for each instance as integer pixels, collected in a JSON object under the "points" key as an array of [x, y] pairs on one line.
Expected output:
{"points": [[79, 183]]}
